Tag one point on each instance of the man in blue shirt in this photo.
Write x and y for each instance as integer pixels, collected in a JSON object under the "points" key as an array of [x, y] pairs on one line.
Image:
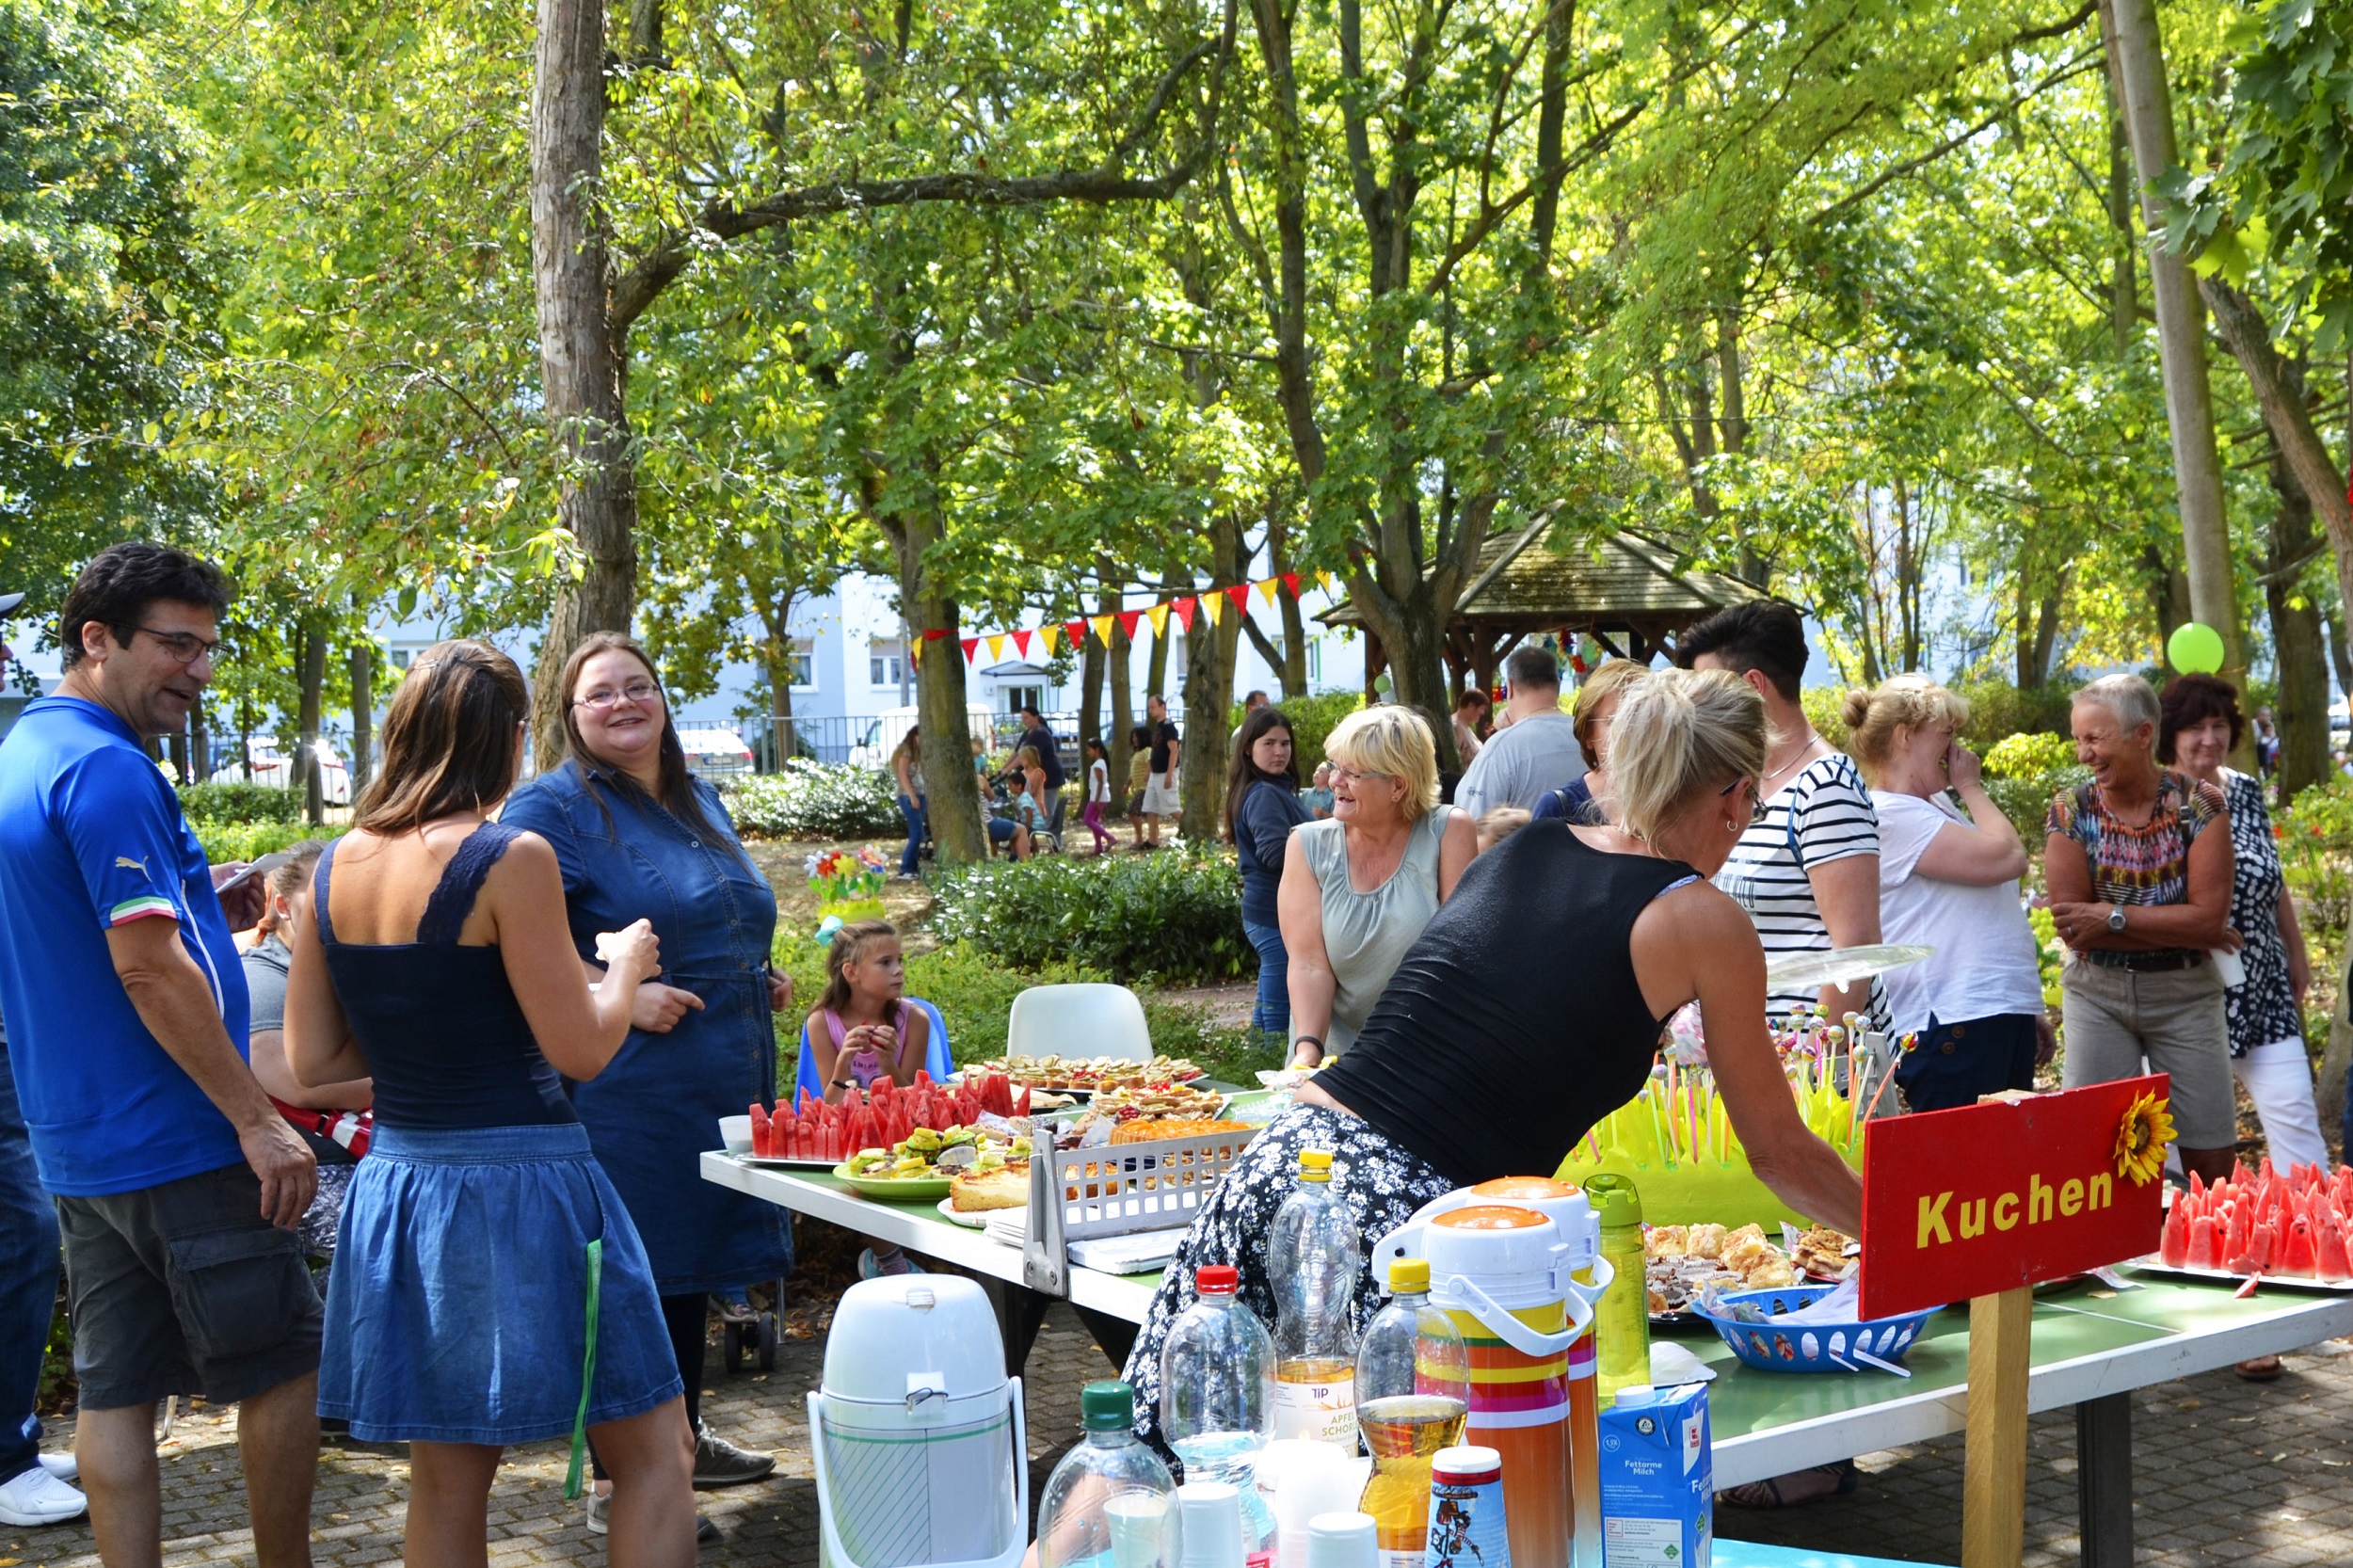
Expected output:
{"points": [[177, 1181]]}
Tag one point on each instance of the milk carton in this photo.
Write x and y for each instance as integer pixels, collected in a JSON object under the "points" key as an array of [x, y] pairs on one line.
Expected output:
{"points": [[1657, 1479]]}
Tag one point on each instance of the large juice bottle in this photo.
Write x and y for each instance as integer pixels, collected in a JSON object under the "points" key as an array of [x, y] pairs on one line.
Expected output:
{"points": [[1412, 1395], [1313, 1253]]}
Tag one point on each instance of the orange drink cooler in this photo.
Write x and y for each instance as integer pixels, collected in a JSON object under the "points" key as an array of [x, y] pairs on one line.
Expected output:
{"points": [[1502, 1271]]}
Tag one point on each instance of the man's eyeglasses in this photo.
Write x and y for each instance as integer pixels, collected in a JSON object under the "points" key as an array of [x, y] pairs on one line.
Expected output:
{"points": [[639, 692], [184, 647], [1756, 801]]}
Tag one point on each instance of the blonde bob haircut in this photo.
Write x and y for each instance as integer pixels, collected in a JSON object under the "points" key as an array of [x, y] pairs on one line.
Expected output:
{"points": [[1610, 680], [1900, 702], [1392, 742], [1676, 734]]}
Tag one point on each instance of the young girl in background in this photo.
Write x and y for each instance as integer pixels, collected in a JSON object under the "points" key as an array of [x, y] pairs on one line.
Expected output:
{"points": [[1098, 794], [863, 1029], [1139, 775]]}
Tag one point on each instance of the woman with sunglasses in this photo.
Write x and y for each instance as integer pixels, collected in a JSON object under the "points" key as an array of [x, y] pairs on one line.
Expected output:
{"points": [[634, 831], [1358, 887], [1459, 1076]]}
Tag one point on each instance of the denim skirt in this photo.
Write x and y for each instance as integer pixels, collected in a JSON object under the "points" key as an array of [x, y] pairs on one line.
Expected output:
{"points": [[458, 1308]]}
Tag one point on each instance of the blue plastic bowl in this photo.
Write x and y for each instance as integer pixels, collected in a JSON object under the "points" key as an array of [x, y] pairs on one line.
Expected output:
{"points": [[1810, 1347]]}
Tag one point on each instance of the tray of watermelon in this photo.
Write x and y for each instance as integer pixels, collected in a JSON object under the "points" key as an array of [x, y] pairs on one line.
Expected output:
{"points": [[815, 1134], [2266, 1228]]}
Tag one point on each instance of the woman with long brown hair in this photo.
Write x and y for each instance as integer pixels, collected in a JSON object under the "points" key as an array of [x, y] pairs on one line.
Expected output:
{"points": [[636, 836], [488, 1288], [1261, 809]]}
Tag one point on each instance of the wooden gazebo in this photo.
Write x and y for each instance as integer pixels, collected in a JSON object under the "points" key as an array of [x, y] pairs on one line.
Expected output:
{"points": [[1624, 589]]}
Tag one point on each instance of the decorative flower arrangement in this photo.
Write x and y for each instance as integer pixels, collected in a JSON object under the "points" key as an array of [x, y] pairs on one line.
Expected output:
{"points": [[2142, 1136], [848, 876]]}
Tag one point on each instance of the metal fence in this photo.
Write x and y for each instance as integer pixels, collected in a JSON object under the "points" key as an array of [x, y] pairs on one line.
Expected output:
{"points": [[867, 741]]}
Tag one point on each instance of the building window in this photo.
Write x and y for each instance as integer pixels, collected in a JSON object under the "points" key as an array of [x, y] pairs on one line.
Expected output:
{"points": [[803, 662], [884, 661], [1019, 697], [1315, 660]]}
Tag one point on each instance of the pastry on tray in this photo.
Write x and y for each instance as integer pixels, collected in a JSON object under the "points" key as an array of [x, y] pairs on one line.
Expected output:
{"points": [[1006, 1187]]}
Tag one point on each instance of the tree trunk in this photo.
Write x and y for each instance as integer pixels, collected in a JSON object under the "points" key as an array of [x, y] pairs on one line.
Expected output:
{"points": [[776, 658], [1294, 647], [199, 744], [1210, 654], [1123, 715], [940, 699], [176, 750], [2303, 670], [362, 762], [580, 355], [2124, 290], [2132, 33], [311, 674], [1092, 655], [1156, 662]]}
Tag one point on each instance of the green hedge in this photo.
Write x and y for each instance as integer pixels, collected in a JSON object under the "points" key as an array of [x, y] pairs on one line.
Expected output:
{"points": [[816, 800], [227, 841], [240, 803], [1170, 917]]}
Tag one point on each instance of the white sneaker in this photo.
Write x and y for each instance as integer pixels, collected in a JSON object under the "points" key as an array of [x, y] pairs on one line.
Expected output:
{"points": [[64, 1466], [37, 1497]]}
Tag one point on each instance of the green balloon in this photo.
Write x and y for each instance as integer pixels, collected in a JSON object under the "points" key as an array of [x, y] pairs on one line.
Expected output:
{"points": [[2195, 649]]}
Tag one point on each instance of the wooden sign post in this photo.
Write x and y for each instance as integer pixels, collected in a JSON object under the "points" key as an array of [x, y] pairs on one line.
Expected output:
{"points": [[1984, 1203]]}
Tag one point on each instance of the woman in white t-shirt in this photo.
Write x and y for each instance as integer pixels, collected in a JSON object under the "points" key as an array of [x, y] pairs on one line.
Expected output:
{"points": [[1949, 882]]}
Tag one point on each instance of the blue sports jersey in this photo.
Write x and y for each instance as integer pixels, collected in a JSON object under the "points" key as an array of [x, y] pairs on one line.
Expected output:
{"points": [[92, 836]]}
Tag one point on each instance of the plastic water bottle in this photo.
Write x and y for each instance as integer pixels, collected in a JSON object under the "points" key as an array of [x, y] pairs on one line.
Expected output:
{"points": [[1217, 1393], [1622, 1316], [1109, 1503], [1313, 1252], [1413, 1397]]}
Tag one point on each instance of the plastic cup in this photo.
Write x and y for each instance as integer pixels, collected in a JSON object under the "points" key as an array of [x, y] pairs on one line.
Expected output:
{"points": [[1209, 1524], [1138, 1522], [1342, 1540]]}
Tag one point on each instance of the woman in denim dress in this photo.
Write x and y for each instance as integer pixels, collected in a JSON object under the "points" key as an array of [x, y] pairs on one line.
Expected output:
{"points": [[634, 831]]}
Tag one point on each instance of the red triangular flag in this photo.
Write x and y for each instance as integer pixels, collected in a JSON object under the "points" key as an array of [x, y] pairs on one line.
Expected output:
{"points": [[1239, 594], [1291, 581], [933, 633], [1077, 632], [1184, 608], [1128, 619], [1022, 641], [970, 644]]}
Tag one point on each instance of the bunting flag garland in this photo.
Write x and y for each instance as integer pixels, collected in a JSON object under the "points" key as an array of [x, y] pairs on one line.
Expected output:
{"points": [[1052, 635]]}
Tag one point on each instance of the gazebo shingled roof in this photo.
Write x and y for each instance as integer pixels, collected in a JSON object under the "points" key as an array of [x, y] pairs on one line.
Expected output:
{"points": [[1624, 589]]}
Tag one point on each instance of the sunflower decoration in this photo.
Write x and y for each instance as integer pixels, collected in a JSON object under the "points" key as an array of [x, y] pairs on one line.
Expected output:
{"points": [[2142, 1136]]}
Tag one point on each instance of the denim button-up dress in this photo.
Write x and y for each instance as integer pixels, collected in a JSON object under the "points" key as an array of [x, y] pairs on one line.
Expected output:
{"points": [[655, 1107]]}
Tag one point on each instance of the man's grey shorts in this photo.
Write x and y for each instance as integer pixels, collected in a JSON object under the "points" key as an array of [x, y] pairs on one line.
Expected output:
{"points": [[186, 1288], [2115, 1018]]}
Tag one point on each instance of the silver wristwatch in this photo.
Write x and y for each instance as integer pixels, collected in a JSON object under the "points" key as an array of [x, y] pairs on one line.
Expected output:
{"points": [[2116, 916]]}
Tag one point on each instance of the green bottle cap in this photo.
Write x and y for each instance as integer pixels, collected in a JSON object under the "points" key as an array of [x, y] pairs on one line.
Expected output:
{"points": [[1614, 1198], [1107, 1406]]}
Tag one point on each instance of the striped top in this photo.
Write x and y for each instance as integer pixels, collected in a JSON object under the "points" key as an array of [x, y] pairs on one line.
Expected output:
{"points": [[2136, 863], [1823, 814]]}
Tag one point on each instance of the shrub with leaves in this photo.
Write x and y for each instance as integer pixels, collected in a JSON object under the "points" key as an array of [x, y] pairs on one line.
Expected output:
{"points": [[815, 800], [229, 842], [2029, 756], [240, 803], [1174, 919]]}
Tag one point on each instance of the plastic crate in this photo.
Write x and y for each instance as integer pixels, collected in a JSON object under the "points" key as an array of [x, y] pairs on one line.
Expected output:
{"points": [[1117, 1189], [1811, 1347]]}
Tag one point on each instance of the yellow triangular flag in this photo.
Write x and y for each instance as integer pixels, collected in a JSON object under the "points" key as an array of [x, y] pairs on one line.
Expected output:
{"points": [[1267, 589], [1211, 604], [1158, 615], [915, 653], [997, 646], [1047, 634], [1331, 583], [1103, 625]]}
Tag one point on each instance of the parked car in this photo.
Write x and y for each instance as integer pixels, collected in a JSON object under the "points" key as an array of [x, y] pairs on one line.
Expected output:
{"points": [[889, 728], [712, 751], [273, 766]]}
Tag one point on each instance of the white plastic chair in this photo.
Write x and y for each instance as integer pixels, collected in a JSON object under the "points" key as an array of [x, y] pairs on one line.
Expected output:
{"points": [[1079, 1021]]}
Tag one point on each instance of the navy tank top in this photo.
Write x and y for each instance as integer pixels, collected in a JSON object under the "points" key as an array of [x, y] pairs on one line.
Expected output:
{"points": [[1515, 1020], [446, 1039]]}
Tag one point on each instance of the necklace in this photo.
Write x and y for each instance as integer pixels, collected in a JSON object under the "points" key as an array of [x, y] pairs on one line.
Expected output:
{"points": [[1813, 739]]}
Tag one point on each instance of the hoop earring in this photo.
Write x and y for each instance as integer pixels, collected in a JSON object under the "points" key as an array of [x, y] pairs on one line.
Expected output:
{"points": [[1729, 825]]}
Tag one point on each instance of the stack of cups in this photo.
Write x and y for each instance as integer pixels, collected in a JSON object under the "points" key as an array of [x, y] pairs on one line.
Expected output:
{"points": [[1210, 1524], [1342, 1540], [1139, 1523]]}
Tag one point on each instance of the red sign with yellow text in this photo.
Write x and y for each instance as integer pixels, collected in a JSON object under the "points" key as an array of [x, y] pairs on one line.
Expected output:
{"points": [[1988, 1197]]}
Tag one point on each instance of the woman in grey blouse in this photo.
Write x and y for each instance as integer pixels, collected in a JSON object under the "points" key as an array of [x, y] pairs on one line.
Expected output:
{"points": [[1359, 887]]}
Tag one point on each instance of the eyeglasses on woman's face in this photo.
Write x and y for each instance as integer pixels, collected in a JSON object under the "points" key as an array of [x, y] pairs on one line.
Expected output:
{"points": [[644, 693], [1352, 776], [1756, 801]]}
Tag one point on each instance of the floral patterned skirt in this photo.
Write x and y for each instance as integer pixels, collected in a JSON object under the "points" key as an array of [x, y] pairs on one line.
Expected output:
{"points": [[1382, 1184]]}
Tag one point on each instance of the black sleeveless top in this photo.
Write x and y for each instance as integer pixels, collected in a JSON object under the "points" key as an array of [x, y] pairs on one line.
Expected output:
{"points": [[1515, 1022], [446, 1039]]}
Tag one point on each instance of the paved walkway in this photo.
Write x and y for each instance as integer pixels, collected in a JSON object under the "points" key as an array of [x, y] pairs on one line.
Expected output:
{"points": [[2228, 1472]]}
